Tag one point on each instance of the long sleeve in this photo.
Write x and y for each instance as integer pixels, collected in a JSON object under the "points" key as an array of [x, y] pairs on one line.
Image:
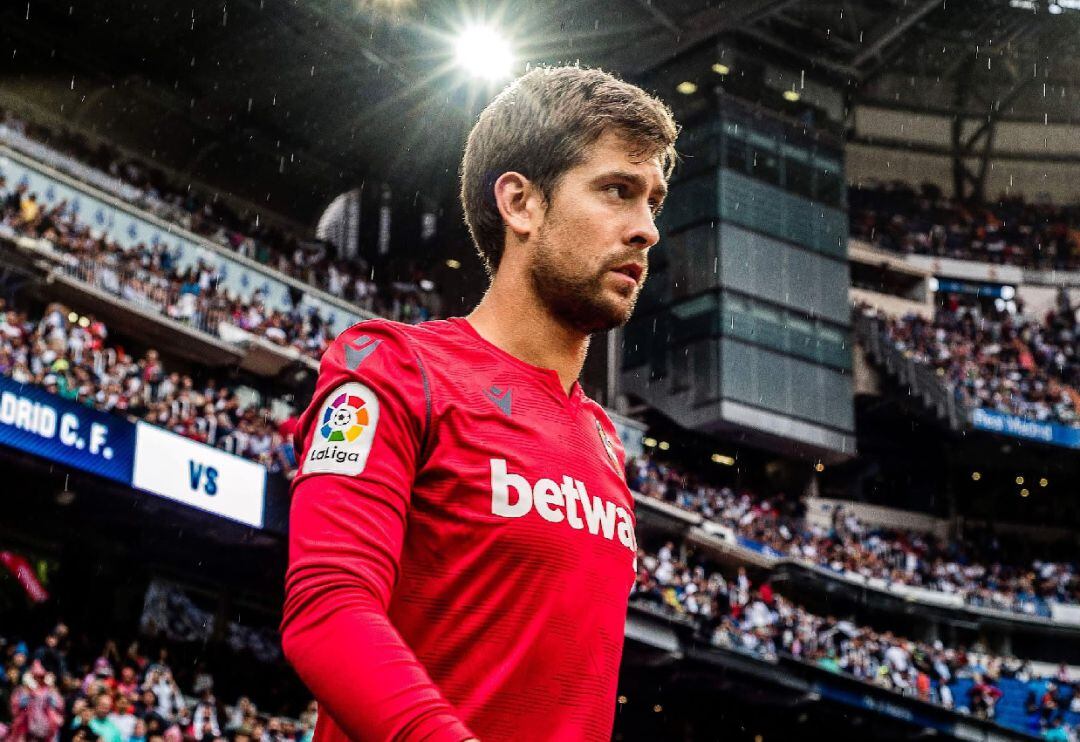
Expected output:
{"points": [[361, 439]]}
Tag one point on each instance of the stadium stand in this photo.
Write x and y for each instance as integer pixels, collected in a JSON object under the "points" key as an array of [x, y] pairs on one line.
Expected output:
{"points": [[148, 276], [775, 526], [995, 359], [896, 216], [59, 684], [149, 189], [70, 356], [736, 613]]}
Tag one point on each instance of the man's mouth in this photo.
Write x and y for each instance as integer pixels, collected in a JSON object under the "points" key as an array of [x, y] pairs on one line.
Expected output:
{"points": [[633, 270]]}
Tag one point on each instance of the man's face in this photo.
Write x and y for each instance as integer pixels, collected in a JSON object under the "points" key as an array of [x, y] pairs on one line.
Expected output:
{"points": [[599, 218], [103, 705]]}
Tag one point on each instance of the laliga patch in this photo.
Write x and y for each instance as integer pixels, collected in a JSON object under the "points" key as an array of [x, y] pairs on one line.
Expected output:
{"points": [[344, 432]]}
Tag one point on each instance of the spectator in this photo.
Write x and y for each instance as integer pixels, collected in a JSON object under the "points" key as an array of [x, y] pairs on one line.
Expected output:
{"points": [[101, 722], [37, 708]]}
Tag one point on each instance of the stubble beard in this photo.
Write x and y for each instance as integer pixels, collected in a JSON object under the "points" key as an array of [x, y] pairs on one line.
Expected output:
{"points": [[577, 299]]}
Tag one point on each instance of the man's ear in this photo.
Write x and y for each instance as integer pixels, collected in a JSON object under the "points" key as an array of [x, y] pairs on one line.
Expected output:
{"points": [[520, 203]]}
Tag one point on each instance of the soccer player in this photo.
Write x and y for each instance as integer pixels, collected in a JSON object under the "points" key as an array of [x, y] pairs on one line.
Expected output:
{"points": [[462, 544]]}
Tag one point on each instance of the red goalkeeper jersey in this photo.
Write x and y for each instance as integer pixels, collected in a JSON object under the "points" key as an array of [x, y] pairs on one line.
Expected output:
{"points": [[461, 546]]}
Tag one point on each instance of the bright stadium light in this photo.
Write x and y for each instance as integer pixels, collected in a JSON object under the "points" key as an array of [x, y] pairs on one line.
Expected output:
{"points": [[483, 53]]}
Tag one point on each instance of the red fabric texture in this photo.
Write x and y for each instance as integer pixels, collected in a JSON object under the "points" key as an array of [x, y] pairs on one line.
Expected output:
{"points": [[472, 579]]}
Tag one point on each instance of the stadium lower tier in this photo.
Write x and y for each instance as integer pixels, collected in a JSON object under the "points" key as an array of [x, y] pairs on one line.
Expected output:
{"points": [[118, 543], [978, 570], [753, 619]]}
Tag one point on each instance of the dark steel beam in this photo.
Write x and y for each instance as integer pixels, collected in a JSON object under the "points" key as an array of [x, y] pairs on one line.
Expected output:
{"points": [[894, 33], [699, 27], [660, 16]]}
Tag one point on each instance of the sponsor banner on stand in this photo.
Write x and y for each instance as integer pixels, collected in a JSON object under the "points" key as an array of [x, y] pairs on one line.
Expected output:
{"points": [[197, 475], [1032, 430], [69, 433], [135, 454]]}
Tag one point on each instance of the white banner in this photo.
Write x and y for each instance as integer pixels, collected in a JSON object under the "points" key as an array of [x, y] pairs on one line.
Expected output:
{"points": [[968, 269], [197, 475]]}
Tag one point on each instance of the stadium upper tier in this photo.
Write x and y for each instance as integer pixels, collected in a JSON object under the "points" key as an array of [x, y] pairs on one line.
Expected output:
{"points": [[739, 615], [276, 250], [71, 356], [150, 276], [1009, 231], [1009, 363], [974, 572]]}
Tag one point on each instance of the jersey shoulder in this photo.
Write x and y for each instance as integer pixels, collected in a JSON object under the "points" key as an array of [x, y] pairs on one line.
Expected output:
{"points": [[378, 328]]}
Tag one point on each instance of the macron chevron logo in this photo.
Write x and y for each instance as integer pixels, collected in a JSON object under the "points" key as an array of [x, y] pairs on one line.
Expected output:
{"points": [[358, 351], [501, 398]]}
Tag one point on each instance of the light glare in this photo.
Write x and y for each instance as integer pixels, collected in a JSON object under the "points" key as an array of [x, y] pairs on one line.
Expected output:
{"points": [[483, 53]]}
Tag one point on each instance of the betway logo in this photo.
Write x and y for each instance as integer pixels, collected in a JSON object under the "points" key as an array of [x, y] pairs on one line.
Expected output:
{"points": [[559, 502]]}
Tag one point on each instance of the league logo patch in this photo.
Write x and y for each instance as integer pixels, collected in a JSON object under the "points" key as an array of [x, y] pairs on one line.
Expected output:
{"points": [[345, 418], [347, 422]]}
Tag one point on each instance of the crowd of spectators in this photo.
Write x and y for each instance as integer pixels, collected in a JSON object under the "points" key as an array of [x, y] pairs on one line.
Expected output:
{"points": [[149, 276], [149, 188], [1011, 230], [49, 695], [738, 614], [71, 356], [996, 359], [974, 570]]}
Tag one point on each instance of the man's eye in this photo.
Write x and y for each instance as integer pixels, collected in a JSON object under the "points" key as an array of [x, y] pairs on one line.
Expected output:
{"points": [[616, 188]]}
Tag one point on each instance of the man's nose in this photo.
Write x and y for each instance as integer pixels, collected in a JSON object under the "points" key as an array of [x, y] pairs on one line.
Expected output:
{"points": [[644, 232]]}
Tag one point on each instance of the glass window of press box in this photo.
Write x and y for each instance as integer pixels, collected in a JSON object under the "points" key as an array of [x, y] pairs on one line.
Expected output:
{"points": [[747, 297]]}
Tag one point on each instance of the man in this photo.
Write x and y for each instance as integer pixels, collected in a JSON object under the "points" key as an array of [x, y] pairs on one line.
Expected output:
{"points": [[462, 539], [101, 723]]}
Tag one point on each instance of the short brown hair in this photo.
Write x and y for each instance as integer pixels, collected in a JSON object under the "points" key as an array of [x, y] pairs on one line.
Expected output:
{"points": [[541, 125]]}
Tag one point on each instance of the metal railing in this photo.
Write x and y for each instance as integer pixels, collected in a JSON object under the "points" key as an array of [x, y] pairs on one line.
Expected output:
{"points": [[921, 380], [146, 291]]}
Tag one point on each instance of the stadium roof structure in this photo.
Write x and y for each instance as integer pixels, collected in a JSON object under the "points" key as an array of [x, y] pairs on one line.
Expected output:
{"points": [[330, 89]]}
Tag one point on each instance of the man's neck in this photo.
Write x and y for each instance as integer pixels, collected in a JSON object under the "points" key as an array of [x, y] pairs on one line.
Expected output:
{"points": [[515, 321]]}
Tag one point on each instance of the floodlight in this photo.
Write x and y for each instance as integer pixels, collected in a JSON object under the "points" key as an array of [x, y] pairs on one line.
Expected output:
{"points": [[483, 53], [791, 95]]}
